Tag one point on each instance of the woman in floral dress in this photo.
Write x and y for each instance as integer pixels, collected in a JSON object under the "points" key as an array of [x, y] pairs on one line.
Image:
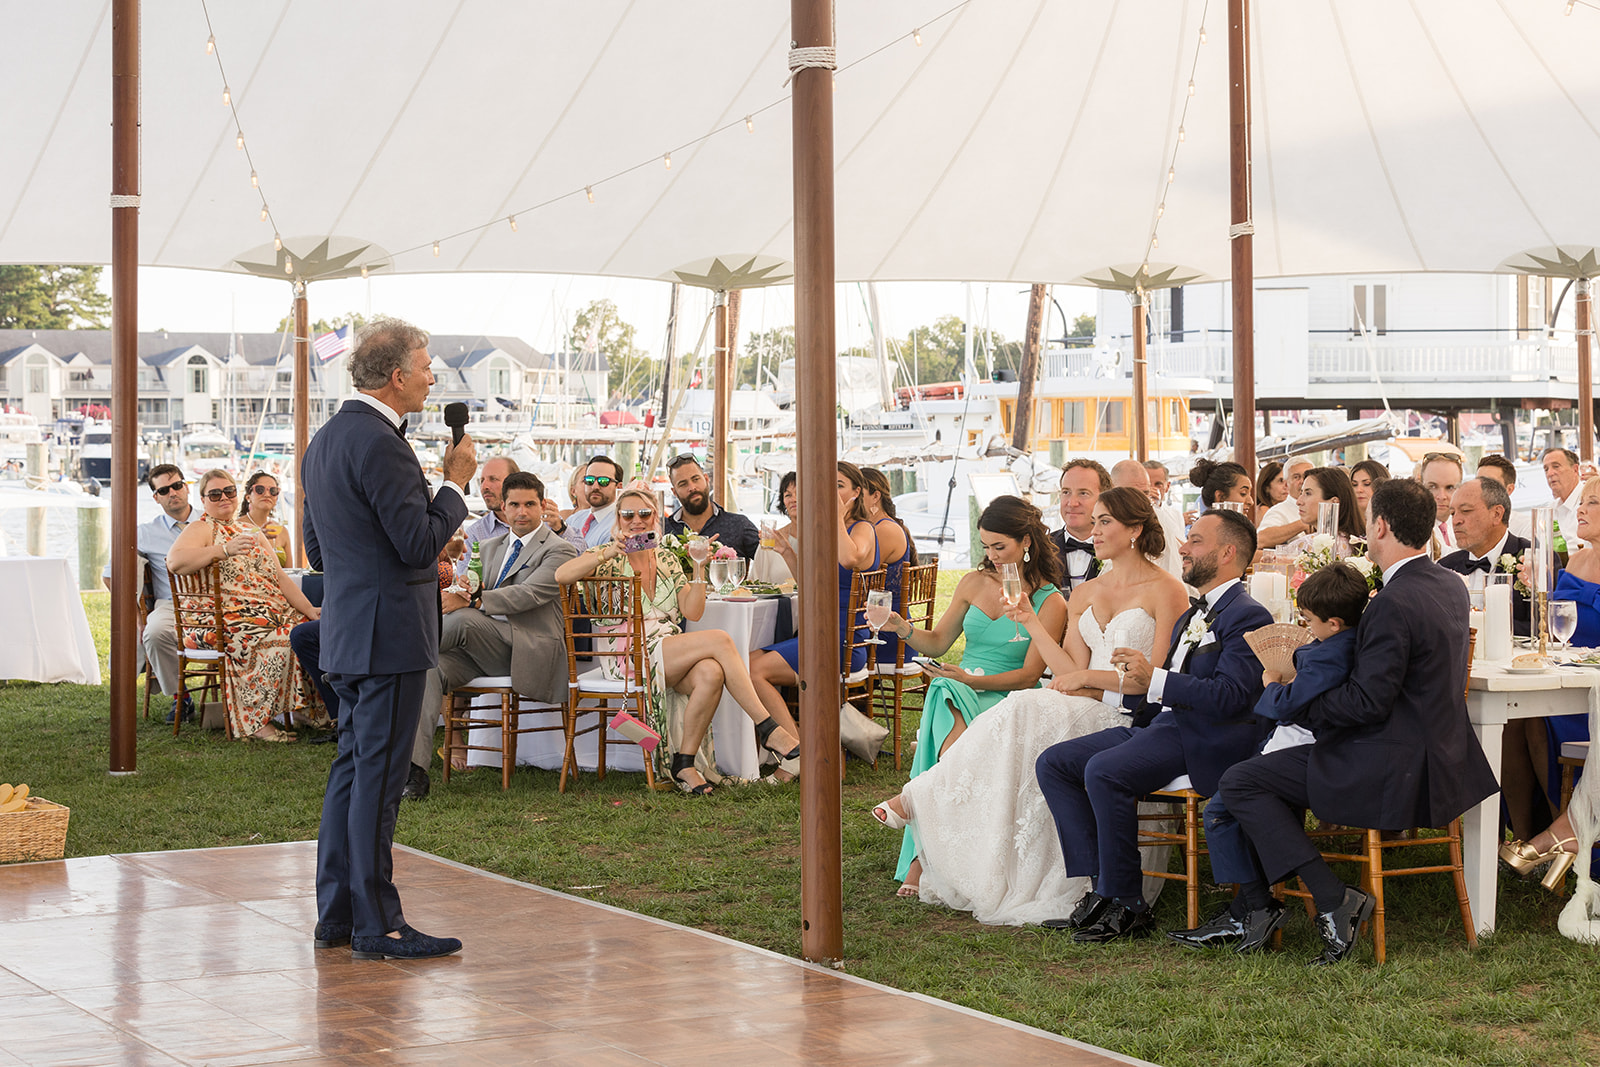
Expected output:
{"points": [[698, 665], [260, 605]]}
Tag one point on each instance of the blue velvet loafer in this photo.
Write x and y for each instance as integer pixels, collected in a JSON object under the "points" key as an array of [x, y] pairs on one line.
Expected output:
{"points": [[331, 935], [412, 944]]}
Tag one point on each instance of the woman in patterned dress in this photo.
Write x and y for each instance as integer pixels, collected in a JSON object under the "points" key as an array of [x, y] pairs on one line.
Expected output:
{"points": [[260, 605], [699, 665]]}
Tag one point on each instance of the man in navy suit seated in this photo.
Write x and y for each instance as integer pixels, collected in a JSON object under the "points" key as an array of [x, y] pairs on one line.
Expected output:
{"points": [[1479, 514], [370, 519], [1196, 718]]}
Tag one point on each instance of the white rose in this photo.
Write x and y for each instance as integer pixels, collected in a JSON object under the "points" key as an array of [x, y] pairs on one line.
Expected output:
{"points": [[1322, 543]]}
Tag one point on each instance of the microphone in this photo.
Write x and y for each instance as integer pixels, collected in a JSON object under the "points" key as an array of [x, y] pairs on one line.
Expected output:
{"points": [[455, 417]]}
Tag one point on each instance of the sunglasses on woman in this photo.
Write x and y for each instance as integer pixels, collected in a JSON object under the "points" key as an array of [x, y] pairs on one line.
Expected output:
{"points": [[214, 495], [263, 490], [597, 479], [625, 514]]}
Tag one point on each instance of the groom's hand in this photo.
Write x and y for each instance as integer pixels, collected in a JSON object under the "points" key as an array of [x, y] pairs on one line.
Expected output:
{"points": [[1136, 668]]}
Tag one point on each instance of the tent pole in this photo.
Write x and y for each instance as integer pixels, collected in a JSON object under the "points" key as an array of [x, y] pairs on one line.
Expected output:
{"points": [[124, 376], [1022, 428], [1244, 289], [721, 430], [1141, 431], [302, 401], [1584, 312], [821, 841], [726, 490]]}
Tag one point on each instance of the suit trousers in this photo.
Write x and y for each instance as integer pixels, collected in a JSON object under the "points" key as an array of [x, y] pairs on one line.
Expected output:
{"points": [[1093, 784], [355, 862], [160, 640], [1268, 797], [471, 645], [306, 641], [1232, 858]]}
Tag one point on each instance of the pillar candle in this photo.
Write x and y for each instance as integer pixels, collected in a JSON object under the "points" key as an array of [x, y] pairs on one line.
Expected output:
{"points": [[1496, 632]]}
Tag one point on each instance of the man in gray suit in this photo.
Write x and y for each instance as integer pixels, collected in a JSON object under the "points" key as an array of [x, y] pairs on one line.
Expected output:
{"points": [[511, 626]]}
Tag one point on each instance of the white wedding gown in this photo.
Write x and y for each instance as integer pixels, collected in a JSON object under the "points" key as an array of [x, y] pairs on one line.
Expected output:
{"points": [[984, 834]]}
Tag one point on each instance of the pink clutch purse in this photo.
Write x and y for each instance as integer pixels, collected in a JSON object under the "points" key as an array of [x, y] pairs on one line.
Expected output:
{"points": [[635, 731]]}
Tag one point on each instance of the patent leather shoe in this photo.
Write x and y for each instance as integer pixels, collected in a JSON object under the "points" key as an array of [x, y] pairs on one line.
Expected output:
{"points": [[1090, 908], [1117, 923], [412, 944], [416, 787], [331, 935], [1221, 930], [1341, 928], [1259, 926]]}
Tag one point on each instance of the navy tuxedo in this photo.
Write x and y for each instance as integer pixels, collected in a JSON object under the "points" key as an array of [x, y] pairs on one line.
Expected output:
{"points": [[1093, 784], [371, 522], [1460, 561]]}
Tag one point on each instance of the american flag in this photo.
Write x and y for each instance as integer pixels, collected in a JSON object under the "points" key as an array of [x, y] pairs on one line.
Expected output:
{"points": [[333, 344]]}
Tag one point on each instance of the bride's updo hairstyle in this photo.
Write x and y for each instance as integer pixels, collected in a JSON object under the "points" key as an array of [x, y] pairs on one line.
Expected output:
{"points": [[1131, 507], [1216, 479], [1013, 517]]}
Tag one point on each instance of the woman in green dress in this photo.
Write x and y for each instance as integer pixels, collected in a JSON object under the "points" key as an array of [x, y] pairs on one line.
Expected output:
{"points": [[992, 665]]}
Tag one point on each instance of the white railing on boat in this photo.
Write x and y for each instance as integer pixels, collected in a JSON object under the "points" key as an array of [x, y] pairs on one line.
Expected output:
{"points": [[1396, 360]]}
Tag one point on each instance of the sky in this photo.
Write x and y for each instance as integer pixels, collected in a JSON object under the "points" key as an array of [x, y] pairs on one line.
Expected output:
{"points": [[539, 307]]}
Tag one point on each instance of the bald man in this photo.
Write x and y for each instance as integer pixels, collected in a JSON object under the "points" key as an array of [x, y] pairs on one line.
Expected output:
{"points": [[1132, 474]]}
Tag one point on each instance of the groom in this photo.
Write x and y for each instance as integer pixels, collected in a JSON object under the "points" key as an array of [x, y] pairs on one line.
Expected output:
{"points": [[1196, 719]]}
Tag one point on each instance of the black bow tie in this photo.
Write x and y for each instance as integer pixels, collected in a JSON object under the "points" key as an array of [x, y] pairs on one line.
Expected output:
{"points": [[1075, 545], [1484, 565], [1197, 603], [401, 429]]}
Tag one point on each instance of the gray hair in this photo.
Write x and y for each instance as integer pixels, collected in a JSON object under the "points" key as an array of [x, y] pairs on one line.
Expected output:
{"points": [[1495, 496], [384, 347]]}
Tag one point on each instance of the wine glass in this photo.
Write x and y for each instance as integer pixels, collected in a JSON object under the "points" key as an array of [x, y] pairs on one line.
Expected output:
{"points": [[880, 602], [717, 575], [1011, 592], [1563, 620], [698, 549], [738, 567]]}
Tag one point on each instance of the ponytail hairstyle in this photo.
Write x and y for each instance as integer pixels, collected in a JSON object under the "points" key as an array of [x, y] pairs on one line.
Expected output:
{"points": [[874, 481]]}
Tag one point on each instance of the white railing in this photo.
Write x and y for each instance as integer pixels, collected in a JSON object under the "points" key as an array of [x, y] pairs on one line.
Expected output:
{"points": [[1395, 360]]}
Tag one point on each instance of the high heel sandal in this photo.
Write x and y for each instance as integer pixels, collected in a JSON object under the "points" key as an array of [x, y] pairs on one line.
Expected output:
{"points": [[887, 816], [684, 761], [1523, 858], [764, 730]]}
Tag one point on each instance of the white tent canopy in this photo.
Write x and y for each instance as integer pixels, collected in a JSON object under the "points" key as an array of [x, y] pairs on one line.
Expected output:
{"points": [[1021, 140]]}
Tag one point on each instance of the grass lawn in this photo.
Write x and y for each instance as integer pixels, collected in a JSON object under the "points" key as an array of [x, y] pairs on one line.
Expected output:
{"points": [[730, 864]]}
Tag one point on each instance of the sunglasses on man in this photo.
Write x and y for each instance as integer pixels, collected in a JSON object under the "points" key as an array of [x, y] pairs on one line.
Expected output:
{"points": [[597, 479], [170, 487], [215, 495]]}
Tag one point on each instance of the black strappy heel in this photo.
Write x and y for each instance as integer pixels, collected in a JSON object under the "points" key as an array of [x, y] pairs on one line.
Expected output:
{"points": [[684, 761], [764, 730]]}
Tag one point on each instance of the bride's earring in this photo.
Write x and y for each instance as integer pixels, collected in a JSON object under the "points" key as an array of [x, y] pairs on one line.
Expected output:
{"points": [[1025, 557], [1133, 542]]}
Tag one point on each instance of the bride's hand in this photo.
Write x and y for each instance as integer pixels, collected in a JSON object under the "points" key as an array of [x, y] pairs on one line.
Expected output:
{"points": [[1135, 667]]}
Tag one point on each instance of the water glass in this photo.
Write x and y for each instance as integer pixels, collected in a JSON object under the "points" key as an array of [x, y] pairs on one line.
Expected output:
{"points": [[717, 575], [737, 568], [880, 602], [1563, 620]]}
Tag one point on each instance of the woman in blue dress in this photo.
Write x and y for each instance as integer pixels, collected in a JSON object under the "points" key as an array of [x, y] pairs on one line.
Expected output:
{"points": [[779, 665], [896, 550]]}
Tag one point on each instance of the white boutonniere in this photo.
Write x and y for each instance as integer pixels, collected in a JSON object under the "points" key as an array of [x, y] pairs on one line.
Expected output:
{"points": [[1198, 630]]}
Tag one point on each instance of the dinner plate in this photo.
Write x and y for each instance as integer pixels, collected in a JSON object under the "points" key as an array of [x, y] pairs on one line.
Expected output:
{"points": [[739, 599], [1528, 670]]}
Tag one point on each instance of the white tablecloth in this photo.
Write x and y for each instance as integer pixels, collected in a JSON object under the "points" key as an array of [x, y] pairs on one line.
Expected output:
{"points": [[751, 624], [48, 639]]}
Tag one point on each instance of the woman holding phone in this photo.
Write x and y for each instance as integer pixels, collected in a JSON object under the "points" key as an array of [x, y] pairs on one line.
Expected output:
{"points": [[698, 665]]}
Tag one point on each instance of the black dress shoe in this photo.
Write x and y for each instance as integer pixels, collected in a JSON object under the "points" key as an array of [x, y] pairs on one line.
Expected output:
{"points": [[1118, 922], [1090, 908], [416, 784], [331, 935], [412, 944], [1220, 930], [1341, 928], [1260, 925]]}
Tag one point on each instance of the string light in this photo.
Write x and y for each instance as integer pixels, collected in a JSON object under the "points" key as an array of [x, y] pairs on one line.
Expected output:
{"points": [[916, 36], [1180, 135], [1161, 209], [288, 265], [1172, 174], [750, 123], [1570, 5], [238, 142], [1202, 35], [277, 243], [211, 43], [588, 190], [1155, 242], [1183, 135], [255, 183], [436, 249], [363, 270], [227, 97], [1191, 86], [667, 159], [513, 220], [263, 213]]}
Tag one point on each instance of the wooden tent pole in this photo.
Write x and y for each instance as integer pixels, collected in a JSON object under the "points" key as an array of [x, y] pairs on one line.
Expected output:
{"points": [[1022, 427], [124, 378], [1584, 311], [302, 404], [1141, 428], [1241, 234], [721, 424], [821, 843]]}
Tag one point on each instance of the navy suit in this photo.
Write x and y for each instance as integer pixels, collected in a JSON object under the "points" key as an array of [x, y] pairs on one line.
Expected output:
{"points": [[1460, 561], [1093, 784], [370, 520]]}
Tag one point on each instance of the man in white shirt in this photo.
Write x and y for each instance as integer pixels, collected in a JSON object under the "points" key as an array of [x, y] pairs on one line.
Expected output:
{"points": [[1281, 524], [1504, 471], [590, 527], [1566, 485], [1441, 476], [1133, 474], [1160, 481], [492, 523]]}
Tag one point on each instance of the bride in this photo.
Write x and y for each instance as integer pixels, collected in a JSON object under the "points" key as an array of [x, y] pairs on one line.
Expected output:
{"points": [[983, 833]]}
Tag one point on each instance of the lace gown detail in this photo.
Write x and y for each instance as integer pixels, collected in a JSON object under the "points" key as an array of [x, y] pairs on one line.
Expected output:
{"points": [[985, 836]]}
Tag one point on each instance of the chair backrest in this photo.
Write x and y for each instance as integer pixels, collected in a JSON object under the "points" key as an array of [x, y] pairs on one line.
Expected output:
{"points": [[855, 636], [919, 586], [197, 608], [613, 609]]}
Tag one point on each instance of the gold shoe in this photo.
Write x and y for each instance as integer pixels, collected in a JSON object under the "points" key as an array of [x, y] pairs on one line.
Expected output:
{"points": [[1523, 858]]}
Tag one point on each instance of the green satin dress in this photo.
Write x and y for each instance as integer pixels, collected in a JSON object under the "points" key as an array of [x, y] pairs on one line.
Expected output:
{"points": [[989, 649]]}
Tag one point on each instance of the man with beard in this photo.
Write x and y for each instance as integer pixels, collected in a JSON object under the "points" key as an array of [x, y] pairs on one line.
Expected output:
{"points": [[492, 523], [699, 514], [590, 527]]}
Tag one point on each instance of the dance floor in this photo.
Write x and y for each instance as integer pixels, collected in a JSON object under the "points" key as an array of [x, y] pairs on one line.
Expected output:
{"points": [[206, 957]]}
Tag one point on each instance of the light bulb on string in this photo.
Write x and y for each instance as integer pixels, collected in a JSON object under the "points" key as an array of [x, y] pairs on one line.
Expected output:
{"points": [[277, 243], [667, 159], [1191, 86], [363, 270], [211, 43], [588, 190], [1172, 175], [513, 220], [750, 123], [916, 36], [1181, 135], [436, 249], [1570, 5], [263, 213], [1155, 242], [227, 97], [1202, 35], [255, 183], [238, 142], [288, 265], [1161, 209]]}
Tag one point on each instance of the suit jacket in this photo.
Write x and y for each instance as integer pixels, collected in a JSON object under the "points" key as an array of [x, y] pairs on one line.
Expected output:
{"points": [[530, 600], [1521, 613], [1394, 748], [1063, 580], [1213, 701], [371, 523]]}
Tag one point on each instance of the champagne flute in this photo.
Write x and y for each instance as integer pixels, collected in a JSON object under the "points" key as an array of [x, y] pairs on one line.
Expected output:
{"points": [[880, 602], [1563, 620], [1119, 639], [1011, 592]]}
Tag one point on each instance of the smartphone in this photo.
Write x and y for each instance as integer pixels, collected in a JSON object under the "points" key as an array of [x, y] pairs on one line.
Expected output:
{"points": [[639, 542], [927, 661]]}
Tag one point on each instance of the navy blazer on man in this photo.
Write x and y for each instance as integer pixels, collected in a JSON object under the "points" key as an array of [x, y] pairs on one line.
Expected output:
{"points": [[370, 519], [1213, 701], [1394, 747], [1461, 561]]}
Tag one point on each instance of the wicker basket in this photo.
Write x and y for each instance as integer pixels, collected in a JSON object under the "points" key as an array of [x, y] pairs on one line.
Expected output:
{"points": [[38, 832]]}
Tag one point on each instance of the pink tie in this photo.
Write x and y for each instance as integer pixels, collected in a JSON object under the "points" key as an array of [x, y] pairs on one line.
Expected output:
{"points": [[588, 523]]}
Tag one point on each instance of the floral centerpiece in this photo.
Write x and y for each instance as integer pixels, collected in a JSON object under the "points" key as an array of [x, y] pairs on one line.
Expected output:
{"points": [[1325, 549], [679, 547]]}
